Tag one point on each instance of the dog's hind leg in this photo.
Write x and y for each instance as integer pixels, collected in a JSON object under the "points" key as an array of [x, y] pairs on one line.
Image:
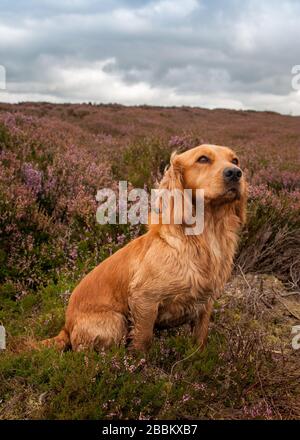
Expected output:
{"points": [[99, 330]]}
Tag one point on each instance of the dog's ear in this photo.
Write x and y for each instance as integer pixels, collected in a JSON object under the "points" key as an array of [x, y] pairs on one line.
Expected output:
{"points": [[173, 177], [169, 200], [241, 206]]}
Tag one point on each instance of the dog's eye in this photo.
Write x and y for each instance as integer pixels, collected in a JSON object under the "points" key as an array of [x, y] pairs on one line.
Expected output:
{"points": [[203, 159], [235, 161]]}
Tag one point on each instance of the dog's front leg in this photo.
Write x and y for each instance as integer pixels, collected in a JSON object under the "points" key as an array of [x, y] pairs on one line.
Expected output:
{"points": [[201, 323], [143, 315]]}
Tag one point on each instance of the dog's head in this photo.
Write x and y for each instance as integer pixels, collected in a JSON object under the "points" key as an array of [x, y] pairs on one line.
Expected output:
{"points": [[214, 169]]}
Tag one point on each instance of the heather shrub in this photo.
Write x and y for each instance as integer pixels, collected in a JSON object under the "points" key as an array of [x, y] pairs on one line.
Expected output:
{"points": [[53, 159], [142, 162], [271, 241], [48, 185], [4, 136]]}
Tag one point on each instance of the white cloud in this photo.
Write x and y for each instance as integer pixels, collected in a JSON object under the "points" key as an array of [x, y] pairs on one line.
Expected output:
{"points": [[11, 37], [96, 82], [170, 8]]}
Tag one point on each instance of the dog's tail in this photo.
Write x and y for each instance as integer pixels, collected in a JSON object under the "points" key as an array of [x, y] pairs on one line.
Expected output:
{"points": [[61, 341]]}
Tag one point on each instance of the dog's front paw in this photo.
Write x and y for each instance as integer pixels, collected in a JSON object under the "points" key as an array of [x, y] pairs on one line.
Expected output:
{"points": [[139, 347]]}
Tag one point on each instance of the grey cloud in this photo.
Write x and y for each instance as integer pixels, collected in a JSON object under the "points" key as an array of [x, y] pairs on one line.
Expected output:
{"points": [[168, 50]]}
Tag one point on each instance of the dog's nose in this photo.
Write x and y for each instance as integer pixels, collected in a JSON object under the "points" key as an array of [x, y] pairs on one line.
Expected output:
{"points": [[232, 174]]}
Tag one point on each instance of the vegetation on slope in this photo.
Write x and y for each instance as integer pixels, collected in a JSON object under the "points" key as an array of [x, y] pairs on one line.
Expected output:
{"points": [[53, 161]]}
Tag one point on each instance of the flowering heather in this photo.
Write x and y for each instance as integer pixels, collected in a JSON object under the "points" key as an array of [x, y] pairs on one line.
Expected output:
{"points": [[32, 178], [53, 160], [48, 182], [186, 142], [260, 410]]}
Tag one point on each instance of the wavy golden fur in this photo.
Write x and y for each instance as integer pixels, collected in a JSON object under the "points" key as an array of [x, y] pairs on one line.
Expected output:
{"points": [[164, 278]]}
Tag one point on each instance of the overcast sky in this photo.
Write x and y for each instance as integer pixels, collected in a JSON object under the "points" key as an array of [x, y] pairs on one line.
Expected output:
{"points": [[208, 53]]}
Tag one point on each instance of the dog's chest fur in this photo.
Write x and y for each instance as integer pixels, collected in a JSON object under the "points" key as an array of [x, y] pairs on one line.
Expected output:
{"points": [[202, 264], [192, 271], [200, 269]]}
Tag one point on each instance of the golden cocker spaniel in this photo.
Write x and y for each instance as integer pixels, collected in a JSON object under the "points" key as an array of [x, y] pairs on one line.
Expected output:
{"points": [[164, 278]]}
